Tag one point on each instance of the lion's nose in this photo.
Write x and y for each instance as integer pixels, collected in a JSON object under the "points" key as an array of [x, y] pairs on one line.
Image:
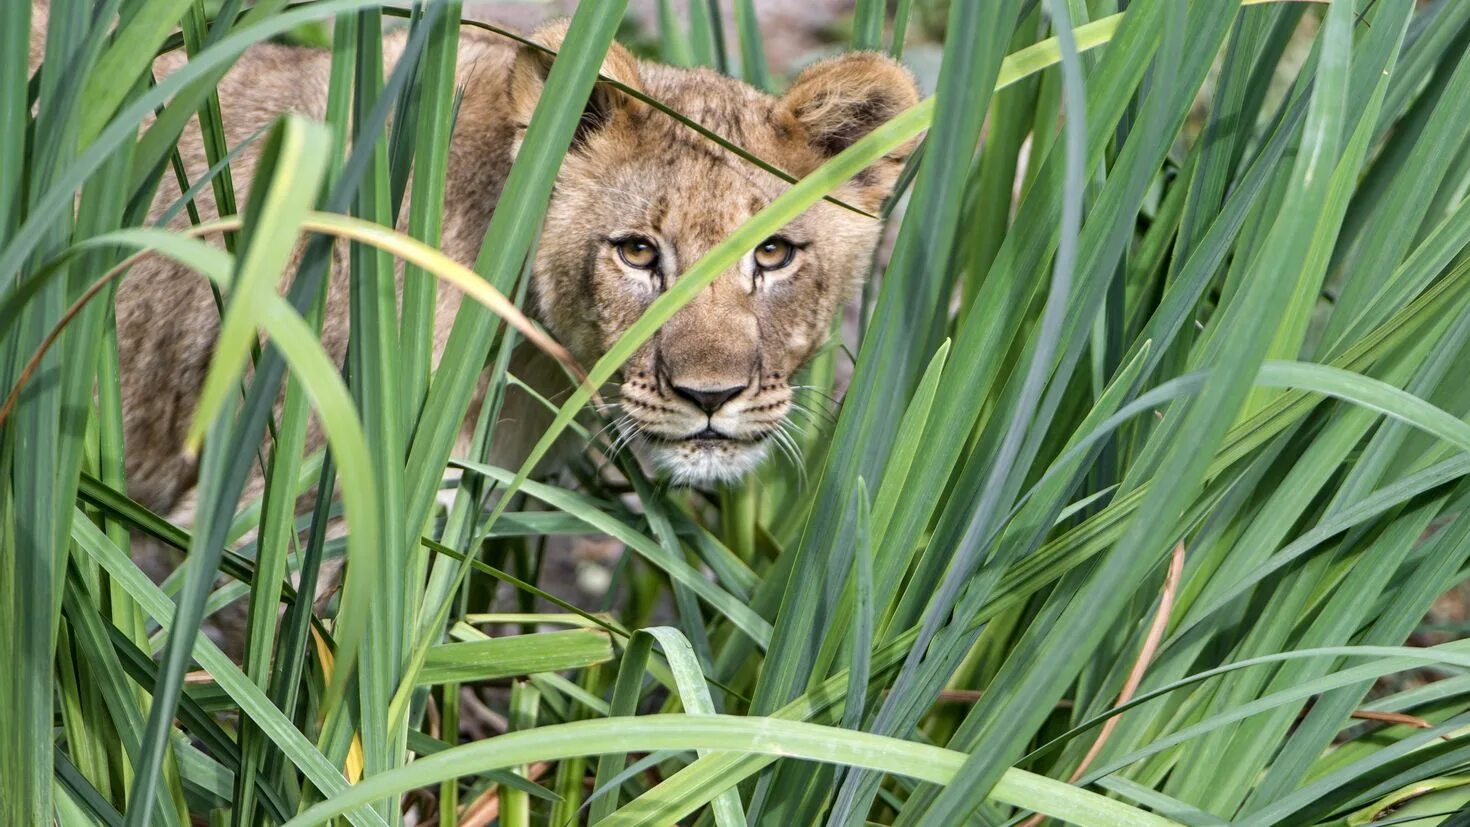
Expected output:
{"points": [[709, 401]]}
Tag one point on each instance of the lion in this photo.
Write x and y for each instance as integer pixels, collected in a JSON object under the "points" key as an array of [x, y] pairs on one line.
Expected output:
{"points": [[639, 198]]}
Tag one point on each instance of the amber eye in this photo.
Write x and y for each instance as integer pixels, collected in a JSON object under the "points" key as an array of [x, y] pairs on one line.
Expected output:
{"points": [[637, 251], [774, 253]]}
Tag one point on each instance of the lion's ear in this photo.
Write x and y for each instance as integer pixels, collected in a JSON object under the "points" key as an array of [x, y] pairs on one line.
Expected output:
{"points": [[532, 66], [840, 100]]}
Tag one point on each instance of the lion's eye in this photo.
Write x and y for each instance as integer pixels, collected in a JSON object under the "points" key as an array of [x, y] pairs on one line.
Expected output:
{"points": [[774, 253], [638, 252]]}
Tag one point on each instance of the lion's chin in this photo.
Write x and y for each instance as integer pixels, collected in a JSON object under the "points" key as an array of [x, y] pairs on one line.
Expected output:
{"points": [[704, 463]]}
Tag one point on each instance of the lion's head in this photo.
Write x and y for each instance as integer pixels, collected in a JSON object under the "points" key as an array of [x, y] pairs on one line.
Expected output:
{"points": [[641, 197]]}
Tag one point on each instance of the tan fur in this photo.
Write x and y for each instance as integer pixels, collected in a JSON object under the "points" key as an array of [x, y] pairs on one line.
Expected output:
{"points": [[632, 170]]}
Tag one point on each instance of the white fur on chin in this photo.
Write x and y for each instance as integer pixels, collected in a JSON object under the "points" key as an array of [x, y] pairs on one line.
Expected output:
{"points": [[706, 464]]}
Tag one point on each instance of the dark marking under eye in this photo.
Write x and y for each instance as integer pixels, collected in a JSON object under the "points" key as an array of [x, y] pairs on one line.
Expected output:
{"points": [[589, 270]]}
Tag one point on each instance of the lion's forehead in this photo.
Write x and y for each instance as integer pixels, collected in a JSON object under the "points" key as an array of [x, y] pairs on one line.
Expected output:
{"points": [[735, 111], [716, 101], [658, 174], [692, 197]]}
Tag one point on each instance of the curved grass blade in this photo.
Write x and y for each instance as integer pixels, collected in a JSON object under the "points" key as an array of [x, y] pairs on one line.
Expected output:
{"points": [[766, 736]]}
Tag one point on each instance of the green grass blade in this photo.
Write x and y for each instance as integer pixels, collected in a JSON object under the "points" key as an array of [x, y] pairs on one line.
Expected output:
{"points": [[757, 735], [317, 769], [426, 207], [752, 54], [867, 25], [58, 196], [704, 35], [1012, 708], [864, 612], [693, 693], [862, 439], [675, 48], [577, 505], [507, 243], [506, 657]]}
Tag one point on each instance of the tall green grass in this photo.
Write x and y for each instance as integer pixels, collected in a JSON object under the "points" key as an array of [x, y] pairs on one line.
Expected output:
{"points": [[1153, 459]]}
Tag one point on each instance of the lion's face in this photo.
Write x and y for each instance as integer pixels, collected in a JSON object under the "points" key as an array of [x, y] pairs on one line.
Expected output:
{"points": [[641, 198]]}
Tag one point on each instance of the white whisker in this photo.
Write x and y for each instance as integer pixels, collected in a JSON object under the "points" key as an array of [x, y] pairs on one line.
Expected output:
{"points": [[812, 415], [622, 419], [629, 431], [816, 391], [790, 447]]}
